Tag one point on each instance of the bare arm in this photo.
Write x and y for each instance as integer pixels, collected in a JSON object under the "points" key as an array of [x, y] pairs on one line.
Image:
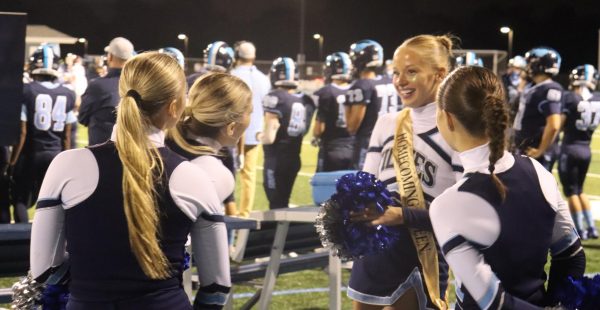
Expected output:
{"points": [[318, 129], [67, 140], [553, 125], [354, 116], [19, 146], [271, 126]]}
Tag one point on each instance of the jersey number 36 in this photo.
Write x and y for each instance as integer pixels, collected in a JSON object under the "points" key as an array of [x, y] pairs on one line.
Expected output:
{"points": [[46, 113]]}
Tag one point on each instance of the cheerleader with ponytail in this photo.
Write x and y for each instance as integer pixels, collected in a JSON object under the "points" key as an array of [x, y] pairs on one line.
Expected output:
{"points": [[497, 225]]}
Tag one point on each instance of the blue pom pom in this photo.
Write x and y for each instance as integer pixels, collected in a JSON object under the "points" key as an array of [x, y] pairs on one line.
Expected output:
{"points": [[347, 239], [186, 260], [55, 297], [582, 293]]}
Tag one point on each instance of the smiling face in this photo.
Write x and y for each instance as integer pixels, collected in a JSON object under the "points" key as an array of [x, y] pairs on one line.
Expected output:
{"points": [[415, 80]]}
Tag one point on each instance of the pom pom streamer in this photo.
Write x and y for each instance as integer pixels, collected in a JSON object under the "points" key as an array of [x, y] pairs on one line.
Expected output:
{"points": [[27, 293], [350, 240], [580, 294]]}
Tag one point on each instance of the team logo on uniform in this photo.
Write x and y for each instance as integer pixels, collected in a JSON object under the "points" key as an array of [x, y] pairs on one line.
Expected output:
{"points": [[426, 169]]}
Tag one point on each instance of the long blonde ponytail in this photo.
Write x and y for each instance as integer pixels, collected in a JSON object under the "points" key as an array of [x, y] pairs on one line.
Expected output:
{"points": [[148, 83]]}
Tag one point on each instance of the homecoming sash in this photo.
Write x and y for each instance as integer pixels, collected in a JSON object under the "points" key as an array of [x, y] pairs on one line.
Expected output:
{"points": [[411, 195]]}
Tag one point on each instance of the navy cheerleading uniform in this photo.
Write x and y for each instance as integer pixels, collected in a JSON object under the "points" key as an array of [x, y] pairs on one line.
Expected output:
{"points": [[80, 214], [382, 278], [497, 248]]}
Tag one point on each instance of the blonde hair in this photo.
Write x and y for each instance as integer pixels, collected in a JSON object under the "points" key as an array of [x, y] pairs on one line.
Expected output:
{"points": [[149, 82], [215, 100], [434, 50]]}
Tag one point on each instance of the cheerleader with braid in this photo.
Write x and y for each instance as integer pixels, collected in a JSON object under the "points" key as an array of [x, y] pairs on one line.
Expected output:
{"points": [[497, 225]]}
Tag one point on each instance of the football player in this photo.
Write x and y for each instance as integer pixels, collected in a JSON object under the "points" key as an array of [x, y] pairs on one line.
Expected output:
{"points": [[46, 119], [287, 119], [363, 102], [580, 117], [537, 121], [335, 152]]}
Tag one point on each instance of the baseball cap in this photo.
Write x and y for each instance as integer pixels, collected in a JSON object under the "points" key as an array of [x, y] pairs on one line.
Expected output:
{"points": [[246, 50], [121, 48]]}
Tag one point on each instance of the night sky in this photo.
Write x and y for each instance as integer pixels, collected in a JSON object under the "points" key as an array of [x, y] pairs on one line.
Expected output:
{"points": [[569, 26]]}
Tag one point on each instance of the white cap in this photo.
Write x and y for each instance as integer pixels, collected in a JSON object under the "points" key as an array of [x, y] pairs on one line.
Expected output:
{"points": [[246, 50], [121, 48]]}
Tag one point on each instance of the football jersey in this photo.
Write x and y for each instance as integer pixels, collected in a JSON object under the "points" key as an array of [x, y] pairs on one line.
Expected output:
{"points": [[390, 101], [294, 112], [363, 91], [47, 108], [331, 111], [536, 103], [437, 164], [582, 117]]}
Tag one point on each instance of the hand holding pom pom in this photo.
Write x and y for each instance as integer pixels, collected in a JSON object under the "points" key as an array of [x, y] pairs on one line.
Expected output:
{"points": [[350, 222]]}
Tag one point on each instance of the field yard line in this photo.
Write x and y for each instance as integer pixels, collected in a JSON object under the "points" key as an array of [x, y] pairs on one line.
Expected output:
{"points": [[304, 174], [290, 292]]}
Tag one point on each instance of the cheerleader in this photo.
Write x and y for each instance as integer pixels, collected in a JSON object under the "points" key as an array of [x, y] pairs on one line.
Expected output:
{"points": [[124, 213], [287, 118], [407, 144], [497, 225], [580, 118]]}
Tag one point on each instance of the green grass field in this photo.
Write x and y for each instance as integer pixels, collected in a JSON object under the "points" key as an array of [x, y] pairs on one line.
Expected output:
{"points": [[311, 279]]}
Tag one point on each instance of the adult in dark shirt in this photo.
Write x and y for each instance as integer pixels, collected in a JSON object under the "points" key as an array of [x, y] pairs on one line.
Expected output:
{"points": [[100, 99]]}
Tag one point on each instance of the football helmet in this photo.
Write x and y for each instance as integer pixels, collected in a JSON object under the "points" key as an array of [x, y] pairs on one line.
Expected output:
{"points": [[585, 75], [175, 53], [45, 60], [470, 59], [338, 66], [543, 60], [366, 54], [218, 56], [283, 73]]}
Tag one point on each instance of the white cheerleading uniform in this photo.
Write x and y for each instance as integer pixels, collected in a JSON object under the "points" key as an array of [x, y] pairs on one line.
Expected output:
{"points": [[73, 199], [497, 248], [381, 279]]}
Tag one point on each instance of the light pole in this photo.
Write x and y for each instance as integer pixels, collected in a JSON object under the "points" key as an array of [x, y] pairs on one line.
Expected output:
{"points": [[507, 30], [185, 39], [320, 38], [84, 41]]}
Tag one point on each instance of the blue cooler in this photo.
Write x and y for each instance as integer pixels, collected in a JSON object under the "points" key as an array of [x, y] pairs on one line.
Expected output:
{"points": [[323, 184]]}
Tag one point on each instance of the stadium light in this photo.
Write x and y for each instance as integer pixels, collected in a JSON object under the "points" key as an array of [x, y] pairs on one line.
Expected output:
{"points": [[83, 41], [320, 38], [509, 31], [185, 39]]}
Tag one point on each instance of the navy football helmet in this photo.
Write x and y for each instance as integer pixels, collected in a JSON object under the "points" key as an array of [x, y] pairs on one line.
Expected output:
{"points": [[175, 53], [366, 54], [283, 73], [585, 75], [45, 60], [543, 60], [338, 66], [218, 56]]}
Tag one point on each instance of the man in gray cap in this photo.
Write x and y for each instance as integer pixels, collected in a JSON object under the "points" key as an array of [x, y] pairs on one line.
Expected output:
{"points": [[100, 99], [245, 53]]}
